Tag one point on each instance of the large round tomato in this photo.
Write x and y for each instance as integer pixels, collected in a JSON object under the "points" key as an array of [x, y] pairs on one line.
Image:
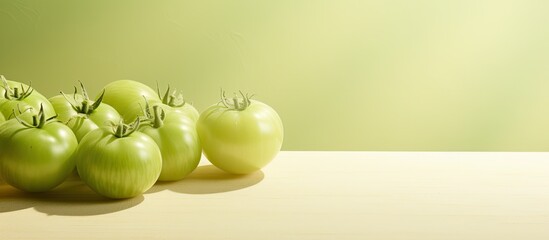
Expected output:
{"points": [[82, 114], [240, 135], [18, 96], [176, 136], [116, 163], [36, 157], [126, 95]]}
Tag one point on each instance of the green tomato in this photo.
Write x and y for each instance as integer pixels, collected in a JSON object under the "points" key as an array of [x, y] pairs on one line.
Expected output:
{"points": [[82, 114], [240, 136], [36, 157], [176, 136], [126, 95], [18, 96], [118, 164]]}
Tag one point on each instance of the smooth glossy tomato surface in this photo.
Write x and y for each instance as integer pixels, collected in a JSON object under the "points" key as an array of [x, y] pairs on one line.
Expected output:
{"points": [[240, 141], [36, 158], [127, 97], [118, 166]]}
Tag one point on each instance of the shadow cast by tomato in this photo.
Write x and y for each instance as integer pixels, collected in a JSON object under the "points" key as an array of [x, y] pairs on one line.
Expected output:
{"points": [[12, 199], [71, 198], [209, 179]]}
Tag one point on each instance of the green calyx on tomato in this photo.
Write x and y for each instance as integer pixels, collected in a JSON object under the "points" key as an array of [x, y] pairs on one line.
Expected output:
{"points": [[236, 103], [82, 114], [122, 130], [84, 107], [177, 103], [154, 118], [15, 93], [38, 120], [172, 99]]}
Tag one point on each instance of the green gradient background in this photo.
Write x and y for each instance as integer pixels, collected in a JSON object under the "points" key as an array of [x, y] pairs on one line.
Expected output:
{"points": [[343, 75]]}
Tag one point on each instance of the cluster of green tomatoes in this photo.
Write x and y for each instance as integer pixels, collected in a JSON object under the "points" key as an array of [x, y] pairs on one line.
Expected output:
{"points": [[128, 137]]}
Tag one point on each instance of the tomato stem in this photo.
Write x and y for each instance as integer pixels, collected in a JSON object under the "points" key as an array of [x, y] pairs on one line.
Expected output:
{"points": [[174, 99], [171, 100], [235, 102], [158, 119], [38, 120], [123, 130], [84, 106], [238, 103], [154, 117], [16, 93], [119, 129]]}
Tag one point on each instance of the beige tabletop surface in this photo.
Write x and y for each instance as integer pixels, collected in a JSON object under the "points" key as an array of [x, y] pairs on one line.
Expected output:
{"points": [[308, 195]]}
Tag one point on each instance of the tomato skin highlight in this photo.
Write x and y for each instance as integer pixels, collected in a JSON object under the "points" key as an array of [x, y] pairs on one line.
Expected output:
{"points": [[188, 110], [36, 159], [118, 167], [240, 141], [126, 95]]}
